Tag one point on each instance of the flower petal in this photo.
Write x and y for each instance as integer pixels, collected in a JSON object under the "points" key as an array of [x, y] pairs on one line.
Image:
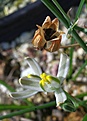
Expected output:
{"points": [[63, 67], [46, 87], [23, 94], [54, 82], [30, 83], [34, 66], [60, 96]]}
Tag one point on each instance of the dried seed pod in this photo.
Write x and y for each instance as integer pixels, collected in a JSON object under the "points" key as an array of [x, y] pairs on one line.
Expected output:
{"points": [[48, 36]]}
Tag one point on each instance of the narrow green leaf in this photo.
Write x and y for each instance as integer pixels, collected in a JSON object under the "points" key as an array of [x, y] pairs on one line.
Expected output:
{"points": [[34, 108], [79, 9], [61, 10], [84, 30], [6, 85], [74, 100], [67, 106], [71, 59], [85, 118], [79, 40], [79, 71], [81, 95], [12, 107]]}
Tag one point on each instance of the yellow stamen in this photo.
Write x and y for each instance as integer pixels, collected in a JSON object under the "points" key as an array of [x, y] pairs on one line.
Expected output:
{"points": [[44, 79], [29, 75]]}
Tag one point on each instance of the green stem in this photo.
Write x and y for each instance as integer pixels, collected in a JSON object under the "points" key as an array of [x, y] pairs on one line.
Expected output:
{"points": [[34, 108], [47, 105], [78, 14], [86, 3], [79, 9], [85, 118], [61, 10], [79, 71], [71, 59], [12, 107]]}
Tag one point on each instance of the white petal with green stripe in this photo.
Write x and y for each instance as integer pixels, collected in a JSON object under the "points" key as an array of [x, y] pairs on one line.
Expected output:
{"points": [[23, 94], [34, 66], [60, 96], [63, 67], [30, 83]]}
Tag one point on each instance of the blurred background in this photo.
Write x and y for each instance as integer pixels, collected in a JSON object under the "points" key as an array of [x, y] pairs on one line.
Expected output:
{"points": [[18, 19]]}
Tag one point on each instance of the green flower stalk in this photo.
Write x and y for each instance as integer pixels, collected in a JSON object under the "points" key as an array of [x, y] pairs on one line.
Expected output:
{"points": [[42, 82]]}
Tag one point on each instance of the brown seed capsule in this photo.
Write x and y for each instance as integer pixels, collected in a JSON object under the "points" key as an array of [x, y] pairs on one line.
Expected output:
{"points": [[48, 36]]}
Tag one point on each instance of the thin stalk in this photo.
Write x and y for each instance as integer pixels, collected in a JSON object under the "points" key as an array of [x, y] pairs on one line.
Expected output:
{"points": [[12, 107], [79, 9], [79, 71], [72, 45], [61, 10], [78, 14], [71, 59], [47, 105]]}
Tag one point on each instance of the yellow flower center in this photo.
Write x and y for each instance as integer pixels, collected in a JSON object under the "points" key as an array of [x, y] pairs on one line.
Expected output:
{"points": [[29, 75], [44, 79], [47, 80]]}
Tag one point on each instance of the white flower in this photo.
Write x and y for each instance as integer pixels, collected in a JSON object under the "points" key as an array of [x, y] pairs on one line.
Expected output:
{"points": [[42, 82]]}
